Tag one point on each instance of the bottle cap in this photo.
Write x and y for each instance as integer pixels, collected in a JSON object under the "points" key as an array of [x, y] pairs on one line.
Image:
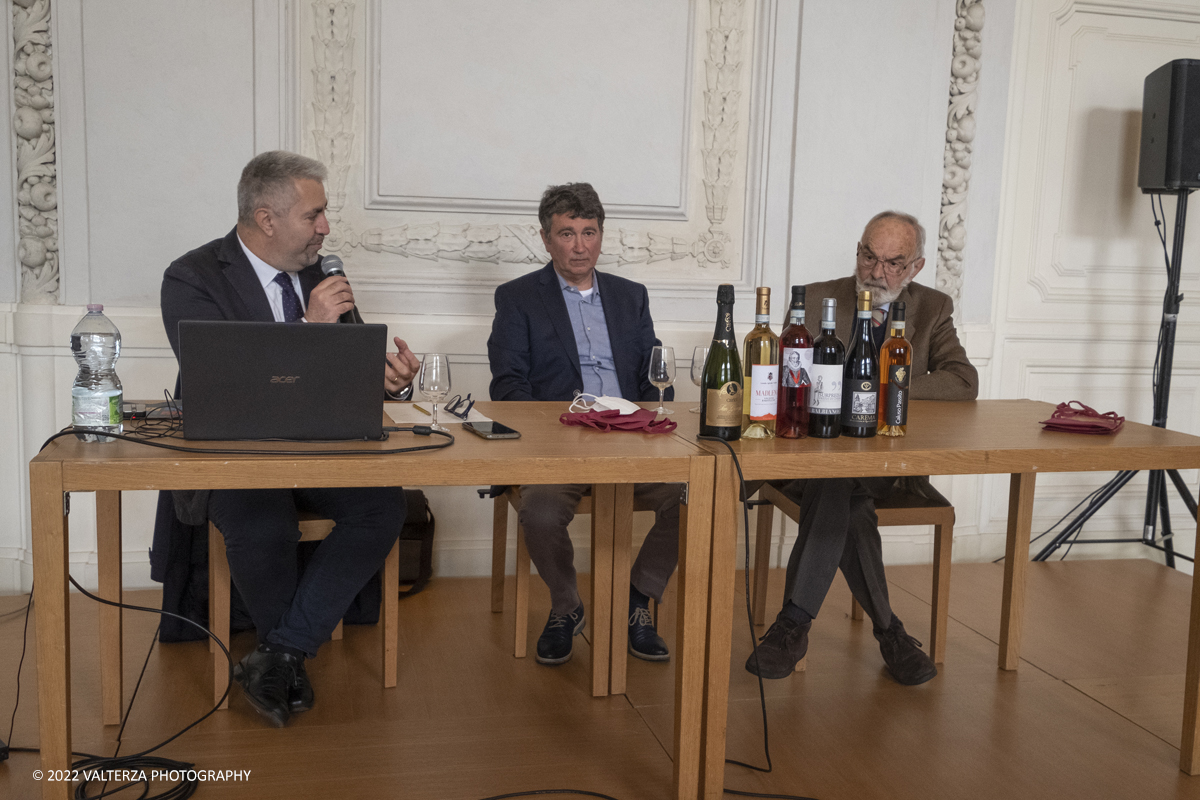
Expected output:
{"points": [[725, 294], [897, 310], [762, 300], [864, 300], [829, 312], [798, 296], [95, 307]]}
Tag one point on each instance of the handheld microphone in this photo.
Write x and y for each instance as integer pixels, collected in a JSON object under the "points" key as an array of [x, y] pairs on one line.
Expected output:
{"points": [[332, 265]]}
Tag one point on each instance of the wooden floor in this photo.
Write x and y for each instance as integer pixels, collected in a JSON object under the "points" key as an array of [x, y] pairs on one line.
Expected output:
{"points": [[1093, 712]]}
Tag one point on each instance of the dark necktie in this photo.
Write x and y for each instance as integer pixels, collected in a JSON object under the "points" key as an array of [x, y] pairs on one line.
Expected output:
{"points": [[292, 311]]}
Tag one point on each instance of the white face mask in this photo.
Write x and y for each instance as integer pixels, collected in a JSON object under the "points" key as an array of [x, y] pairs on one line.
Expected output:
{"points": [[602, 403]]}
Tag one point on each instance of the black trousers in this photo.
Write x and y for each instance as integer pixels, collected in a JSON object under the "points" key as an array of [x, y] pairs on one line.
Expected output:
{"points": [[262, 532], [839, 529]]}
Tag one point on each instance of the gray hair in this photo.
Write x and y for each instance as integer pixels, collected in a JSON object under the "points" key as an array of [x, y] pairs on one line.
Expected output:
{"points": [[909, 219], [575, 200], [269, 181]]}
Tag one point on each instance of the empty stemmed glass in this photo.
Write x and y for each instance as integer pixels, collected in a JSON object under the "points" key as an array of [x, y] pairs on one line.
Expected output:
{"points": [[435, 382], [699, 357], [662, 374]]}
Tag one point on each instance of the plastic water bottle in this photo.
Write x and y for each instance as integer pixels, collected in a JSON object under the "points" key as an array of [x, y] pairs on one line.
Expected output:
{"points": [[96, 393]]}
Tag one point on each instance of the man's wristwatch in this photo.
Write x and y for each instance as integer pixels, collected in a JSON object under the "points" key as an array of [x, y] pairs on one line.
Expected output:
{"points": [[403, 395]]}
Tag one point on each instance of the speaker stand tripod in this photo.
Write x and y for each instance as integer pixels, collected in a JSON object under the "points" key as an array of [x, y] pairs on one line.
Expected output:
{"points": [[1156, 492]]}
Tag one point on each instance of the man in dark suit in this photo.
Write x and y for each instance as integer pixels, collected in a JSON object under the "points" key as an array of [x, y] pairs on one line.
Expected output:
{"points": [[560, 331], [268, 269], [838, 526]]}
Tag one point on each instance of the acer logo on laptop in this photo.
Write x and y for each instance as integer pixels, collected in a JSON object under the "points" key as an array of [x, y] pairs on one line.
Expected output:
{"points": [[284, 378]]}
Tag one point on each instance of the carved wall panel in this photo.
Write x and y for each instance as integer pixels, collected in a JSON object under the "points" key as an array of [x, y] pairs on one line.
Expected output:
{"points": [[388, 238]]}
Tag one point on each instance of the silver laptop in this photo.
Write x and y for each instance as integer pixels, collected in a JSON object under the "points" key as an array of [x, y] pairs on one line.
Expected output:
{"points": [[282, 380]]}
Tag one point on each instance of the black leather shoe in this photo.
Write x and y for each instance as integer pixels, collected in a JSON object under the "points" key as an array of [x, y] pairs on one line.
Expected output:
{"points": [[644, 641], [554, 645], [780, 649], [300, 693], [266, 678], [902, 653]]}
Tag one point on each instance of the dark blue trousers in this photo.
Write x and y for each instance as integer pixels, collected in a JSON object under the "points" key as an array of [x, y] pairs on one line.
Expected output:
{"points": [[262, 532]]}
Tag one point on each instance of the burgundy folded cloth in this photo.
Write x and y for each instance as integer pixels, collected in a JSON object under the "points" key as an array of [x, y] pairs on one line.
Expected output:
{"points": [[613, 420], [1084, 419]]}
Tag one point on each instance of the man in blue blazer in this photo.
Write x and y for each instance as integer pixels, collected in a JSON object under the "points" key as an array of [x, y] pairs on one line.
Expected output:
{"points": [[268, 269], [559, 331]]}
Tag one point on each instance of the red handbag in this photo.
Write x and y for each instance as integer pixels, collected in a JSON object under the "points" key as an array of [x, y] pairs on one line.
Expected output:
{"points": [[1068, 418], [613, 420]]}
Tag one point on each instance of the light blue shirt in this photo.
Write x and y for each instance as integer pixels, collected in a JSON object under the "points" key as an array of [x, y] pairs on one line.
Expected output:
{"points": [[591, 339]]}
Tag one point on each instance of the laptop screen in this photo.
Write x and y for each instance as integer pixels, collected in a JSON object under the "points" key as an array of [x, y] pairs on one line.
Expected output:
{"points": [[280, 380]]}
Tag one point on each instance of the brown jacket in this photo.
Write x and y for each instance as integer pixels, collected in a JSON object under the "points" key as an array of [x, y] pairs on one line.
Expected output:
{"points": [[941, 370]]}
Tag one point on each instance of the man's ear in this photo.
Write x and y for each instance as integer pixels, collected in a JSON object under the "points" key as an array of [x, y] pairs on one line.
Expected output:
{"points": [[545, 239], [265, 221], [917, 265]]}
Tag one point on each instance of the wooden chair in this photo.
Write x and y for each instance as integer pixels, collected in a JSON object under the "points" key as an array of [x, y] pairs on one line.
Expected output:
{"points": [[901, 508], [623, 535], [312, 528]]}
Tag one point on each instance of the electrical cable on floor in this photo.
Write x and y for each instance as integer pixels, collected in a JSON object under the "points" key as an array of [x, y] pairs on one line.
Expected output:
{"points": [[762, 697]]}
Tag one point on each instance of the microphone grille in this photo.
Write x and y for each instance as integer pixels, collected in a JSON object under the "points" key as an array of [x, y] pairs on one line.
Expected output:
{"points": [[332, 265]]}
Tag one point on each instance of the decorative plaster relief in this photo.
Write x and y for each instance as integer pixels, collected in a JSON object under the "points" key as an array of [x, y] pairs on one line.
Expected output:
{"points": [[334, 142], [960, 133], [33, 122]]}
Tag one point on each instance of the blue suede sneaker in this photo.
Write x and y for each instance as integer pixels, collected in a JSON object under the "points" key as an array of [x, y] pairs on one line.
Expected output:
{"points": [[554, 645]]}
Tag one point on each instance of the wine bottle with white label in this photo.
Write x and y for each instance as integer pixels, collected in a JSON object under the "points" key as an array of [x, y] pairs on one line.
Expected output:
{"points": [[761, 370], [795, 371], [825, 395], [721, 388], [860, 386]]}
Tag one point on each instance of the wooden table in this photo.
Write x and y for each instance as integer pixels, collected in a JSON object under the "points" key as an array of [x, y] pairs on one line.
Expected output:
{"points": [[547, 452], [983, 437]]}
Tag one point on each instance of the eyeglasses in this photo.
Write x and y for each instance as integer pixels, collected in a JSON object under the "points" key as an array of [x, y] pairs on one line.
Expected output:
{"points": [[868, 260], [458, 406]]}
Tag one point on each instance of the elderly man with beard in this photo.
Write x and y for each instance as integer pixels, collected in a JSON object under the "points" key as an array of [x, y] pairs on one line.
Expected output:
{"points": [[838, 526]]}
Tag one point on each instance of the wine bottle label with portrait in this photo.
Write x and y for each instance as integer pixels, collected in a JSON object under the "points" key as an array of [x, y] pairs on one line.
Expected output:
{"points": [[895, 405], [763, 388], [825, 396], [797, 367], [862, 405], [724, 406]]}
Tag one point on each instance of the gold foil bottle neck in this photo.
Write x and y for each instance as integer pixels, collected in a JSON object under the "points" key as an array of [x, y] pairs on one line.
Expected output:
{"points": [[864, 300], [762, 300]]}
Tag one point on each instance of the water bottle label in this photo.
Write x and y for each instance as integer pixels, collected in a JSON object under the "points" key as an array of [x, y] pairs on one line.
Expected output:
{"points": [[764, 383], [96, 410], [826, 394]]}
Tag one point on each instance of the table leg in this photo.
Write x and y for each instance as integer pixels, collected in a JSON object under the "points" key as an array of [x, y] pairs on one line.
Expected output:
{"points": [[53, 620], [1189, 749], [720, 625], [622, 556], [602, 566], [1016, 562], [695, 525], [108, 563]]}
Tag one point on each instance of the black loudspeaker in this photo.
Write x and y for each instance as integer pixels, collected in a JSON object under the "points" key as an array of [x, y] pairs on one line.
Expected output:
{"points": [[1170, 156]]}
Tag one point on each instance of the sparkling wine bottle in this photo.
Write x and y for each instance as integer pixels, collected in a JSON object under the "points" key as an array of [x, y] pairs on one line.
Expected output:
{"points": [[795, 372], [860, 386], [721, 388], [895, 371], [825, 396], [761, 372]]}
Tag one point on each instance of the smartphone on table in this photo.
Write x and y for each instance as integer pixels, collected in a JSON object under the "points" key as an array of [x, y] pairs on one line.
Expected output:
{"points": [[492, 430]]}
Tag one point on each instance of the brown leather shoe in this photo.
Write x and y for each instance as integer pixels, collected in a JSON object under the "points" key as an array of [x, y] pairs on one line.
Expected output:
{"points": [[902, 653], [780, 649]]}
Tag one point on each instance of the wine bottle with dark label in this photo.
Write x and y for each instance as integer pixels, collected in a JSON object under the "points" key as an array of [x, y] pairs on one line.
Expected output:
{"points": [[721, 388], [761, 373], [825, 395], [895, 371], [795, 372], [860, 386]]}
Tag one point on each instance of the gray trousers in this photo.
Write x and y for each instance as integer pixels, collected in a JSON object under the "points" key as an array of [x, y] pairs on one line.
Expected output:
{"points": [[546, 510], [838, 528]]}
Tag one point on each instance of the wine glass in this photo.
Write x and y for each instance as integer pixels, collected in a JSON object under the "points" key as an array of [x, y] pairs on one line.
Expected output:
{"points": [[699, 357], [662, 373], [435, 382]]}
